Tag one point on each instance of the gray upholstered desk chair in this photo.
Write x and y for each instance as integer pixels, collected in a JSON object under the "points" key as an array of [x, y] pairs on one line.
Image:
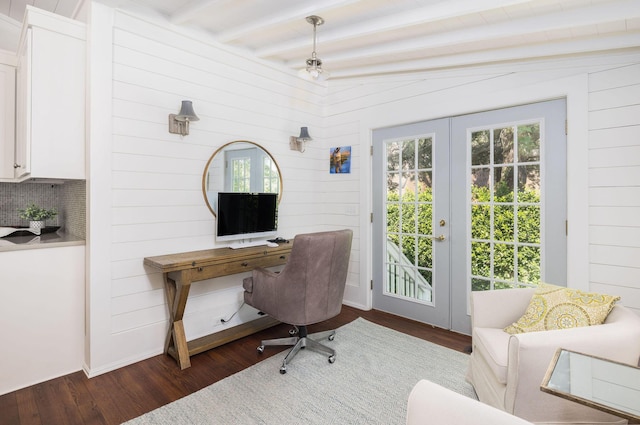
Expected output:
{"points": [[308, 290]]}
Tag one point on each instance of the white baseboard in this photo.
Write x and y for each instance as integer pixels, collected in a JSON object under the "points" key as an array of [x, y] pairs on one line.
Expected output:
{"points": [[93, 372]]}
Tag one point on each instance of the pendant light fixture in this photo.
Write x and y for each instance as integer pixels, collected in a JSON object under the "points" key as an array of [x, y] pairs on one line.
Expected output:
{"points": [[314, 70]]}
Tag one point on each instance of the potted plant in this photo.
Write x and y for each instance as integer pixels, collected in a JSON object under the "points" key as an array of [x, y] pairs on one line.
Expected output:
{"points": [[37, 216]]}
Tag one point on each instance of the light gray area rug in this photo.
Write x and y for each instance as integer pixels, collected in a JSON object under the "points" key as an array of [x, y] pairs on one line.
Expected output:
{"points": [[369, 383]]}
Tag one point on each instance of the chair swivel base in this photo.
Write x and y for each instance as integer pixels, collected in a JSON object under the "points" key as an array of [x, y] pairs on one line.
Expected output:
{"points": [[299, 342]]}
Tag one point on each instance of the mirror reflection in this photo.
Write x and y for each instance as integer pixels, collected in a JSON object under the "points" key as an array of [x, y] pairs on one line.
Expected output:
{"points": [[240, 166]]}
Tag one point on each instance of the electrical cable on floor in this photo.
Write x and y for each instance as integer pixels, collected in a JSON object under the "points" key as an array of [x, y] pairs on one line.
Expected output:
{"points": [[222, 320]]}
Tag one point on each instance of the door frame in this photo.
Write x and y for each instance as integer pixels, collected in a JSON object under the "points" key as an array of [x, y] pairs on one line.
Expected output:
{"points": [[453, 324], [493, 95]]}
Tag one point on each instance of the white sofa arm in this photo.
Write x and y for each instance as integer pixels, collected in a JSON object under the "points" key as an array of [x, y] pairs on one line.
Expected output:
{"points": [[499, 308], [531, 353], [430, 403]]}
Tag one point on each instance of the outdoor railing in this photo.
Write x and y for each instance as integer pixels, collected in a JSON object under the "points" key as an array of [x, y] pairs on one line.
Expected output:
{"points": [[402, 277]]}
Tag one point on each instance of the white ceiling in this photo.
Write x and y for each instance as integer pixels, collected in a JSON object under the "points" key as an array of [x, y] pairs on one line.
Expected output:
{"points": [[368, 37]]}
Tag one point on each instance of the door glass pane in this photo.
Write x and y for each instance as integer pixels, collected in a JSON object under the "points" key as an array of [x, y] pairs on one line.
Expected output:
{"points": [[425, 153], [480, 149], [504, 224], [481, 259], [529, 143], [408, 155], [270, 177], [480, 185], [529, 264], [505, 191], [393, 216], [241, 175], [503, 145], [503, 187], [409, 218], [393, 156], [529, 224], [393, 185], [425, 258]]}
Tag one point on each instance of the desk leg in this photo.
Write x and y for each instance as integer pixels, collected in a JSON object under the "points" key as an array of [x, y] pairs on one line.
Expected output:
{"points": [[176, 341], [180, 340]]}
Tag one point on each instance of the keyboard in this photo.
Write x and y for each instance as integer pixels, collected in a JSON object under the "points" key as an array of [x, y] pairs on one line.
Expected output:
{"points": [[238, 245]]}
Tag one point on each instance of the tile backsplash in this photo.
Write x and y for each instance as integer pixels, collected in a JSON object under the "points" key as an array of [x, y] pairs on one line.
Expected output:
{"points": [[69, 199]]}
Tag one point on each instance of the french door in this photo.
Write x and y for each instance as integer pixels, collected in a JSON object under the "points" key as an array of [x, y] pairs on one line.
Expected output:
{"points": [[475, 202], [411, 252]]}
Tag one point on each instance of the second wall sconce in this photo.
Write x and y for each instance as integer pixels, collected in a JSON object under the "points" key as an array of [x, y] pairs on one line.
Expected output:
{"points": [[179, 124], [297, 143]]}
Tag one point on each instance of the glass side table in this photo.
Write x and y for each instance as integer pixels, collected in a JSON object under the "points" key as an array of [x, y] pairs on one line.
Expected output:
{"points": [[602, 384]]}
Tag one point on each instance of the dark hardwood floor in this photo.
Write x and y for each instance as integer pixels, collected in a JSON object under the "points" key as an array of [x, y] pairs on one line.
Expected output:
{"points": [[128, 392]]}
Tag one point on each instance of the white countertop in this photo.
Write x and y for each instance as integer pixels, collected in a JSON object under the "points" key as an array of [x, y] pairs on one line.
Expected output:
{"points": [[46, 240]]}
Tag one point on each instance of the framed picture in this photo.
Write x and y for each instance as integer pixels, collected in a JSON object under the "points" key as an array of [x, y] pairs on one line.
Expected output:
{"points": [[340, 160]]}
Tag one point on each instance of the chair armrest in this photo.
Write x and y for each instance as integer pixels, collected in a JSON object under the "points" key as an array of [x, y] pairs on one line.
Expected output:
{"points": [[499, 308], [429, 403], [530, 355], [257, 273], [261, 291], [619, 341]]}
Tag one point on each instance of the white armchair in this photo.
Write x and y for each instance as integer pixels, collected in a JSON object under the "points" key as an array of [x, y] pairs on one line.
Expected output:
{"points": [[430, 403], [507, 370]]}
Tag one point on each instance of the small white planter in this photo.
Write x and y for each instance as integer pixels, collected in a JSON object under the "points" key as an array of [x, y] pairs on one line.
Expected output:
{"points": [[36, 225]]}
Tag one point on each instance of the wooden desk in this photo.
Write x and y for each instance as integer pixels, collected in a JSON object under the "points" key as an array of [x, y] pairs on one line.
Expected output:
{"points": [[181, 270]]}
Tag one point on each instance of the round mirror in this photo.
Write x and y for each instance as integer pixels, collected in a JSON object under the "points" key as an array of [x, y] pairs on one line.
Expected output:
{"points": [[240, 166]]}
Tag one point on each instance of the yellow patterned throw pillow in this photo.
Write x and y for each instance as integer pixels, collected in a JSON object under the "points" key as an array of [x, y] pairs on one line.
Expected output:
{"points": [[556, 307]]}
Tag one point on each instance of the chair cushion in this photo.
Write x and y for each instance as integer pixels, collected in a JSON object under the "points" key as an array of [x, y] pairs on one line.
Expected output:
{"points": [[493, 346], [556, 307]]}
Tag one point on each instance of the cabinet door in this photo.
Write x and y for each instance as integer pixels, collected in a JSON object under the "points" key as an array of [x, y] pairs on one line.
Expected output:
{"points": [[22, 163], [42, 308], [7, 120], [57, 105], [50, 106]]}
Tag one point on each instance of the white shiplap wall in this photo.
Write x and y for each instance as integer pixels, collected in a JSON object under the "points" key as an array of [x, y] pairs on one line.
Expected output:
{"points": [[145, 197], [614, 182], [603, 194], [145, 184]]}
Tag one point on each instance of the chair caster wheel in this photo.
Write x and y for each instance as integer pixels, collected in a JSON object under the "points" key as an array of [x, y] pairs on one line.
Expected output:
{"points": [[261, 349], [332, 359], [332, 337], [283, 370], [293, 331]]}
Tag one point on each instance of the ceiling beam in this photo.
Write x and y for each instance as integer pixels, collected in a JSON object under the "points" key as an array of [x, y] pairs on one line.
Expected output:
{"points": [[432, 13], [280, 18], [192, 10], [512, 54], [550, 22]]}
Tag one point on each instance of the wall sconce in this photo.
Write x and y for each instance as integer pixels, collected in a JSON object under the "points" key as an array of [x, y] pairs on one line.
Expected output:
{"points": [[179, 124], [297, 143]]}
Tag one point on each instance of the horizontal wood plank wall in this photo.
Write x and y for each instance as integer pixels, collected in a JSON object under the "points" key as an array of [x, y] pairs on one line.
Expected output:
{"points": [[356, 107], [614, 182], [157, 205]]}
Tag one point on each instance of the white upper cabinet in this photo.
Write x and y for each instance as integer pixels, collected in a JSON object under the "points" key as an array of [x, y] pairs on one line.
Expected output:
{"points": [[50, 98], [7, 119]]}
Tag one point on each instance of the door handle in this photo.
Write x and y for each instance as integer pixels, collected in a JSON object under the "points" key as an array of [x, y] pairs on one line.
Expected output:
{"points": [[438, 238]]}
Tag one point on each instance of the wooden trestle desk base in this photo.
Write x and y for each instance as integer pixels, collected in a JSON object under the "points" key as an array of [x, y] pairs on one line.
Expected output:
{"points": [[181, 270]]}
